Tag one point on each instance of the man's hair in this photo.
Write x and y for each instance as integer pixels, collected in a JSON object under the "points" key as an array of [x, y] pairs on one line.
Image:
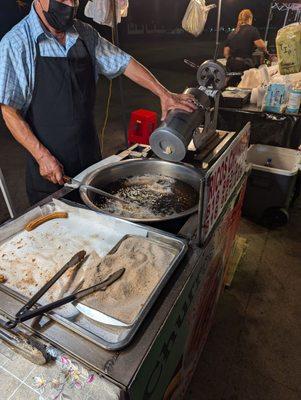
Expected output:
{"points": [[21, 3], [243, 18]]}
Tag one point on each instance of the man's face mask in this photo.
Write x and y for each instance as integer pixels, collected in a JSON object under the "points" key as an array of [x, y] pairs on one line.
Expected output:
{"points": [[60, 16]]}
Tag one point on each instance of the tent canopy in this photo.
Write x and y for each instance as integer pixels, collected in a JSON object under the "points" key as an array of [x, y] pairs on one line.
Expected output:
{"points": [[287, 6], [287, 1]]}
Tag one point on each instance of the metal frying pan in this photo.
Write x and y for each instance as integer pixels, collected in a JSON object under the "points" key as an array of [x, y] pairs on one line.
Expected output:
{"points": [[104, 176]]}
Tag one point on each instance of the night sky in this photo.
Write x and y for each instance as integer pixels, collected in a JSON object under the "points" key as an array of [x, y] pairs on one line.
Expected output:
{"points": [[231, 9], [171, 12], [167, 13]]}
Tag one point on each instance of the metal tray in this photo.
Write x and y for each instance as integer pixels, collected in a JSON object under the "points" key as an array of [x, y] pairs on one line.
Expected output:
{"points": [[108, 319], [107, 336]]}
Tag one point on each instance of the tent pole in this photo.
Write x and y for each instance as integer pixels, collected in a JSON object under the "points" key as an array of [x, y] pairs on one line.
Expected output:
{"points": [[121, 88], [268, 23], [286, 16], [218, 28]]}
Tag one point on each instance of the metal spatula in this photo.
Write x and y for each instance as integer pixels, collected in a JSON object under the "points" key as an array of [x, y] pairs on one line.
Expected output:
{"points": [[96, 190]]}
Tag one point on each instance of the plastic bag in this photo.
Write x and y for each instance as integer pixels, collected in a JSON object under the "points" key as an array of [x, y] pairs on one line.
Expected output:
{"points": [[195, 18], [288, 43], [276, 98], [252, 78], [123, 8]]}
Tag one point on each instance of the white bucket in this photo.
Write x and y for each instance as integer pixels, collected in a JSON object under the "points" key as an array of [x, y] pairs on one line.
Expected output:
{"points": [[284, 161]]}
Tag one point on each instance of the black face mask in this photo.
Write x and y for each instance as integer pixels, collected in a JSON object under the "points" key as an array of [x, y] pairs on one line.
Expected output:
{"points": [[60, 16]]}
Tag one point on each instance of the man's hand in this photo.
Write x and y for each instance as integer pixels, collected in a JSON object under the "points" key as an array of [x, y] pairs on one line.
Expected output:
{"points": [[51, 169], [139, 74], [170, 101]]}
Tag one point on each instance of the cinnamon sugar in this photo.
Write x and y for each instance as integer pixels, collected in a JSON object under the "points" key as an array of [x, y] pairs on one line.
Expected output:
{"points": [[145, 262]]}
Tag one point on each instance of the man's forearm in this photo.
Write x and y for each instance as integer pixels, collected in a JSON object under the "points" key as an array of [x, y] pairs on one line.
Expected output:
{"points": [[260, 44], [143, 77], [22, 133]]}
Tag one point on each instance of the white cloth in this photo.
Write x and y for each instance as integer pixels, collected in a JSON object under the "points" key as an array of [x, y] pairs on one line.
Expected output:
{"points": [[101, 11], [252, 78]]}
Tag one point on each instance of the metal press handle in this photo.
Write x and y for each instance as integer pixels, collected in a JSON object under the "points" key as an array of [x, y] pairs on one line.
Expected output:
{"points": [[191, 64], [6, 196]]}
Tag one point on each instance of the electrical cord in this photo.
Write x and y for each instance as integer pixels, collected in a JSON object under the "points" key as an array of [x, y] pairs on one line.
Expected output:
{"points": [[107, 115], [108, 105]]}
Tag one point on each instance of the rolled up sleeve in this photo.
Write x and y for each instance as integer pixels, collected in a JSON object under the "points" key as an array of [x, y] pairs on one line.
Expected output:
{"points": [[13, 76], [110, 60]]}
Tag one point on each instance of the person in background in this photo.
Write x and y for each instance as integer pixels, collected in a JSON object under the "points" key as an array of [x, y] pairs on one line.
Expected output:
{"points": [[240, 44]]}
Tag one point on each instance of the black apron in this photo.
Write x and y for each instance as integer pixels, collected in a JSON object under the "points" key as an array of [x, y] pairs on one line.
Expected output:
{"points": [[61, 116]]}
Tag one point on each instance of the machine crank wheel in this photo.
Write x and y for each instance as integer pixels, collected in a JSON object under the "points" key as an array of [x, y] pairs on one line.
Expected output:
{"points": [[212, 73]]}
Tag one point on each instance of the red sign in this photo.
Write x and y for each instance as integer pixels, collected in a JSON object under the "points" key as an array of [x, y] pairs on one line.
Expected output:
{"points": [[222, 180]]}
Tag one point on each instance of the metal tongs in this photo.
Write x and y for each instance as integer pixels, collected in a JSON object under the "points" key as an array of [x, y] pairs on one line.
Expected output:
{"points": [[26, 313]]}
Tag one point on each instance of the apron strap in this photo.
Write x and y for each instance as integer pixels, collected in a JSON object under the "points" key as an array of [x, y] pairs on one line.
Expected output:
{"points": [[88, 51]]}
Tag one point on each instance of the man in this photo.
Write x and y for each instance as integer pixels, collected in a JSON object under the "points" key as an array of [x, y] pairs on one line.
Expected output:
{"points": [[49, 66]]}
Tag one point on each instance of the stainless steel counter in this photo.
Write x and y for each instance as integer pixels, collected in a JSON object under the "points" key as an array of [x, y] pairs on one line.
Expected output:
{"points": [[171, 338]]}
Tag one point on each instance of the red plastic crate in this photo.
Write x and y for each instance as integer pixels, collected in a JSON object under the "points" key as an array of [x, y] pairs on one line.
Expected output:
{"points": [[142, 125]]}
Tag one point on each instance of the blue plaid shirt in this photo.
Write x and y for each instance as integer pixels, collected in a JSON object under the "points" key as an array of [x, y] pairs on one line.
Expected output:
{"points": [[18, 55]]}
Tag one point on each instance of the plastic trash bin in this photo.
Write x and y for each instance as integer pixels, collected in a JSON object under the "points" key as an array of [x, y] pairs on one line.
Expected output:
{"points": [[271, 184]]}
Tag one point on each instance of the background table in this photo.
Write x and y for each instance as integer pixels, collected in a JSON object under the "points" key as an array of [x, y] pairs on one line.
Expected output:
{"points": [[274, 129]]}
